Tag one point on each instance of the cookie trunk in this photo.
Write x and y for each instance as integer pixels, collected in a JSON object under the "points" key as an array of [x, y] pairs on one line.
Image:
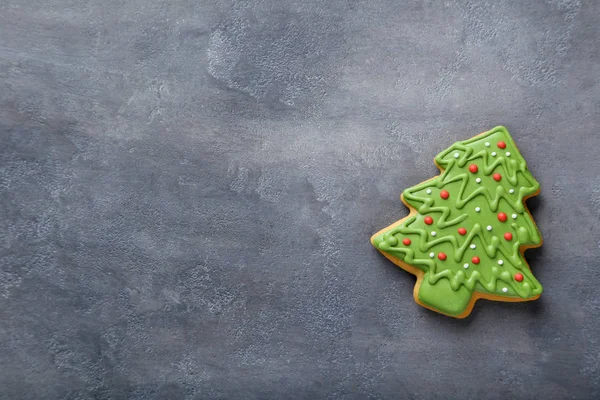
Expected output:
{"points": [[442, 298]]}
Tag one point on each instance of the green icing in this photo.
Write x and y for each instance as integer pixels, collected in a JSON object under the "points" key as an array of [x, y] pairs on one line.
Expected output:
{"points": [[447, 285]]}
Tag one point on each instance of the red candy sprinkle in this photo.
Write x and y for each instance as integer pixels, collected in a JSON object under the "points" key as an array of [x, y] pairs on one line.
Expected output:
{"points": [[462, 231], [497, 177], [406, 241], [508, 236], [444, 194], [473, 168], [501, 145], [502, 217], [428, 220], [518, 277], [475, 260], [442, 256]]}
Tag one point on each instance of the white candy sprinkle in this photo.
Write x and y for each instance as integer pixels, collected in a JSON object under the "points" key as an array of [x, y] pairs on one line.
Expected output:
{"points": [[504, 289], [489, 228], [514, 216], [478, 180], [508, 154], [428, 191], [456, 155], [511, 191], [500, 262], [493, 154], [431, 254], [433, 233], [473, 246], [477, 209], [487, 144], [466, 266]]}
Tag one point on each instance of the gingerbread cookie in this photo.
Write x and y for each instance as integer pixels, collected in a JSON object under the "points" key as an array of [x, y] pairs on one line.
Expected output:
{"points": [[468, 228]]}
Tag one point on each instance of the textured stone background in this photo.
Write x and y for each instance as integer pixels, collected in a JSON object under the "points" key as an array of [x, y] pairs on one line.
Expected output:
{"points": [[187, 190]]}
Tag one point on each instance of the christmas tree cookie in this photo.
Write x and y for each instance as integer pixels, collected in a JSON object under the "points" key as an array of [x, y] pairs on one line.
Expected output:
{"points": [[468, 228]]}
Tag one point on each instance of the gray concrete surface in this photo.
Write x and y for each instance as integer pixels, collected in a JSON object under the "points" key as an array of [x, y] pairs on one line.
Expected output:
{"points": [[187, 190]]}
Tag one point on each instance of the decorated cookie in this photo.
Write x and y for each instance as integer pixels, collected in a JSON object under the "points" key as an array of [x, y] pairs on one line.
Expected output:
{"points": [[468, 228]]}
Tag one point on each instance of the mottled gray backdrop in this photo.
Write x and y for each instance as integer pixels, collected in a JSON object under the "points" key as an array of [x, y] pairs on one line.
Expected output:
{"points": [[188, 188]]}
